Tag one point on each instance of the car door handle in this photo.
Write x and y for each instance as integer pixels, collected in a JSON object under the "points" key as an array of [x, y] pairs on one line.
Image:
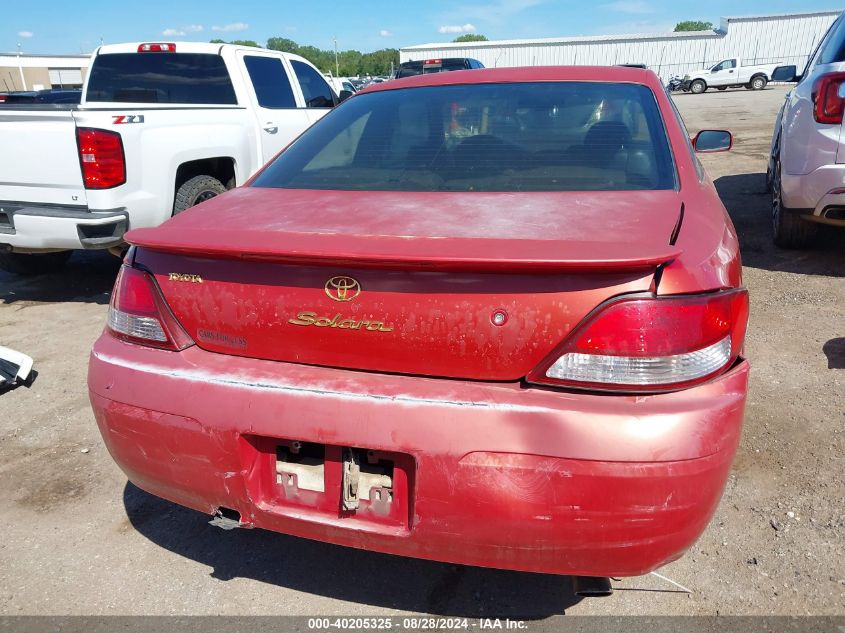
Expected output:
{"points": [[731, 71], [271, 128]]}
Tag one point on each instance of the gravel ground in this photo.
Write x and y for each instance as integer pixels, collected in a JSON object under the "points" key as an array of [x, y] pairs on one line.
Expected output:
{"points": [[79, 540]]}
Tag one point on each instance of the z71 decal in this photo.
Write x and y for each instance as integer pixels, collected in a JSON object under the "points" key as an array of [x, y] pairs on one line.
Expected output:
{"points": [[127, 118]]}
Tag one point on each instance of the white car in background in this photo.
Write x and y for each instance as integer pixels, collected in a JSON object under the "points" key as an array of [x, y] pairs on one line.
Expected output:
{"points": [[806, 173], [161, 127], [729, 73]]}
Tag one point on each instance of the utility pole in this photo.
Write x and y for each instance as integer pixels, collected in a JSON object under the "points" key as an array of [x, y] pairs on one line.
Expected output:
{"points": [[20, 67], [336, 66]]}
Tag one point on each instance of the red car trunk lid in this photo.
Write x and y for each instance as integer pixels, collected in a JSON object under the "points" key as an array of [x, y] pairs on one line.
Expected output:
{"points": [[479, 286]]}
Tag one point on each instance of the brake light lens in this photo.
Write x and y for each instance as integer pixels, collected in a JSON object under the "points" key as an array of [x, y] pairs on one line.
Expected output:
{"points": [[101, 157], [646, 344], [157, 47], [139, 314], [828, 105]]}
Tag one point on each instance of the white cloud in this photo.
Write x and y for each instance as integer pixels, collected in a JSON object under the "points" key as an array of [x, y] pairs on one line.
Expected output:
{"points": [[229, 28], [193, 28], [25, 33], [385, 33], [172, 33], [629, 6], [457, 28]]}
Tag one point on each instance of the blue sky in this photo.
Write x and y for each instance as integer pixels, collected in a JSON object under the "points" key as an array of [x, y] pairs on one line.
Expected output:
{"points": [[53, 26]]}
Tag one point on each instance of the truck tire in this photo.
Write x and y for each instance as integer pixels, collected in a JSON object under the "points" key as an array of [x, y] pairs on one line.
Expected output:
{"points": [[33, 263], [197, 189], [788, 229], [758, 83], [698, 86]]}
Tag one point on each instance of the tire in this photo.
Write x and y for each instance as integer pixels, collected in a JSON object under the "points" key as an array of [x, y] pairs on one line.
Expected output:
{"points": [[721, 87], [197, 189], [788, 229], [697, 87], [33, 263], [758, 83]]}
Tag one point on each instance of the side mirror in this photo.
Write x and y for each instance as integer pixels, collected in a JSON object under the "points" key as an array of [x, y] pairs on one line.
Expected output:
{"points": [[710, 141], [785, 73], [344, 95]]}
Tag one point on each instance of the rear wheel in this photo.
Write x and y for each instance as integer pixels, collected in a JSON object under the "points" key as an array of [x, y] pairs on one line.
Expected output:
{"points": [[788, 229], [197, 189], [758, 83], [697, 87], [33, 263]]}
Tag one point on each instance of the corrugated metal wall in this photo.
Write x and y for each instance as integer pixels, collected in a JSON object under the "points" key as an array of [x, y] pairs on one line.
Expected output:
{"points": [[788, 39]]}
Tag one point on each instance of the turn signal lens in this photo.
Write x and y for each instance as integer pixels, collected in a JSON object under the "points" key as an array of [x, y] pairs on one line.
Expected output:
{"points": [[651, 343], [101, 157], [139, 314]]}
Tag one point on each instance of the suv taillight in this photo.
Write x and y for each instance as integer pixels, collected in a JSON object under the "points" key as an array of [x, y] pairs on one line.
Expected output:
{"points": [[101, 157], [828, 105], [139, 314], [647, 344]]}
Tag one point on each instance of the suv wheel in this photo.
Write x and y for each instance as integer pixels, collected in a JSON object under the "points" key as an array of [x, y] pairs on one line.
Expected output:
{"points": [[788, 229], [197, 189], [33, 263], [758, 83], [697, 87]]}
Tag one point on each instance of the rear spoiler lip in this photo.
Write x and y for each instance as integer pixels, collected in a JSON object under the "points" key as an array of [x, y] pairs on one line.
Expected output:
{"points": [[411, 253]]}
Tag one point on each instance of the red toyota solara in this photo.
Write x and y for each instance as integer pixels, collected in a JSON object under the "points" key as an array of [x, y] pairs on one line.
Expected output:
{"points": [[490, 317]]}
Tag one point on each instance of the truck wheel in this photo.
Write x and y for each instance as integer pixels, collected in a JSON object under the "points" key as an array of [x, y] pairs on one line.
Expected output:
{"points": [[697, 87], [758, 83], [197, 189], [33, 263], [788, 229]]}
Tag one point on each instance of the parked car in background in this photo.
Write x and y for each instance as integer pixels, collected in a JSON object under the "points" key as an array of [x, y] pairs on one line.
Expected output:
{"points": [[341, 85], [729, 73], [459, 318], [806, 172], [410, 69], [161, 127], [41, 96]]}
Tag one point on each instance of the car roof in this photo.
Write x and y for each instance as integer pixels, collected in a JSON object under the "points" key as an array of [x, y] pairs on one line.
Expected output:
{"points": [[612, 74]]}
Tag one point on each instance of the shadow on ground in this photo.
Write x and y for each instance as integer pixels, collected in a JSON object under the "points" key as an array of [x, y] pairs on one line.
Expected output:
{"points": [[745, 197], [834, 349], [88, 277], [344, 573]]}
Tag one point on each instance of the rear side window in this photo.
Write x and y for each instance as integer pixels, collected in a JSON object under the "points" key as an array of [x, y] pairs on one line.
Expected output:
{"points": [[833, 50], [550, 136], [314, 88], [184, 78], [271, 83]]}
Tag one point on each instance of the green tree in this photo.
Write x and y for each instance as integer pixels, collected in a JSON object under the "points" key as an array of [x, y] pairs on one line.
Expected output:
{"points": [[472, 37], [694, 25]]}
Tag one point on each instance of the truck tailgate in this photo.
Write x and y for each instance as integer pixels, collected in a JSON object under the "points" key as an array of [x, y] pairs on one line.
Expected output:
{"points": [[40, 161]]}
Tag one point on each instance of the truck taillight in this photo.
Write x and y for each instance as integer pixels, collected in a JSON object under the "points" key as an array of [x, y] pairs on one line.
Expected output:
{"points": [[139, 314], [157, 47], [648, 344], [828, 98], [101, 157]]}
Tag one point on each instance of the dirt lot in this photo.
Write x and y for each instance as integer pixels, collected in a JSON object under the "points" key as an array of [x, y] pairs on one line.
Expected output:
{"points": [[77, 539]]}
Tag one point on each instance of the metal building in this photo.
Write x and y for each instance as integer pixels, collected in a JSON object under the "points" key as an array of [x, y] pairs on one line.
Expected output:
{"points": [[37, 72], [761, 39]]}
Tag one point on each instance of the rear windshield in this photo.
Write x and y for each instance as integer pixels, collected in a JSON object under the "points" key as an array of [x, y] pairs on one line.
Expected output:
{"points": [[410, 69], [186, 78], [562, 136]]}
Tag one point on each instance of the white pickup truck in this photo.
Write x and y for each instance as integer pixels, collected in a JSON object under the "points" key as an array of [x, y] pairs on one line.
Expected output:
{"points": [[729, 73], [161, 127]]}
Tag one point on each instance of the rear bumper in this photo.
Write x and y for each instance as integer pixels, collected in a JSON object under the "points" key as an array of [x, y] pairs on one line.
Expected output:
{"points": [[819, 194], [500, 475], [32, 227]]}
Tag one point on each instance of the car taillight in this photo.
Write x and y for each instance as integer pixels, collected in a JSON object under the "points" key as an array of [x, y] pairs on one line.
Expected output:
{"points": [[643, 344], [139, 314], [157, 47], [101, 157], [828, 102]]}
